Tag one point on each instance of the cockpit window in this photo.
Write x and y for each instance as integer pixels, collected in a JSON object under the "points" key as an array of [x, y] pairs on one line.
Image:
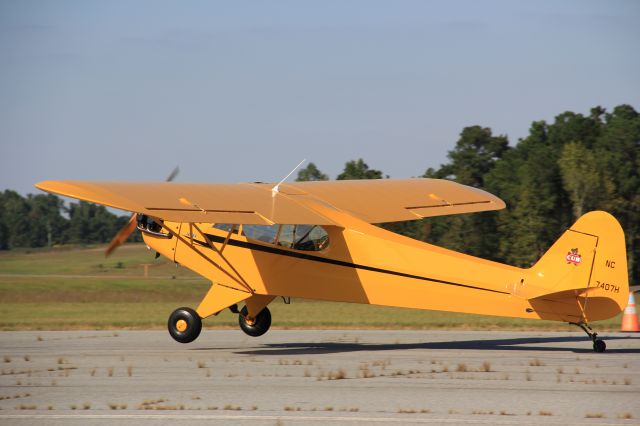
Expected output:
{"points": [[316, 238], [298, 237], [266, 233], [286, 237]]}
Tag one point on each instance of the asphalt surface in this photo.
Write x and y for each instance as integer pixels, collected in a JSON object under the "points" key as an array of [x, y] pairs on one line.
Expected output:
{"points": [[311, 377]]}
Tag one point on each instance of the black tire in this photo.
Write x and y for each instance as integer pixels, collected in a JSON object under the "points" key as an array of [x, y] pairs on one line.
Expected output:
{"points": [[184, 325], [599, 346], [259, 327]]}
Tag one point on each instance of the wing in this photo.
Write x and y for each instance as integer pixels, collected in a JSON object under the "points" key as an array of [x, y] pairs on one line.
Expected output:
{"points": [[394, 200], [374, 201]]}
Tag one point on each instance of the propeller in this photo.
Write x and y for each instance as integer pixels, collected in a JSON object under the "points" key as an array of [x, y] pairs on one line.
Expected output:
{"points": [[128, 229]]}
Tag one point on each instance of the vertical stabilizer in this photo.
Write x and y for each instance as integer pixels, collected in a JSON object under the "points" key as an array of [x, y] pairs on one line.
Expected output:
{"points": [[584, 272]]}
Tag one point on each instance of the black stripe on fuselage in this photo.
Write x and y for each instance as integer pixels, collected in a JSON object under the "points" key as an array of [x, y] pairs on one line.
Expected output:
{"points": [[305, 256]]}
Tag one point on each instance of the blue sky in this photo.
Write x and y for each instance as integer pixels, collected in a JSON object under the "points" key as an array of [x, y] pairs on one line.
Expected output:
{"points": [[243, 90]]}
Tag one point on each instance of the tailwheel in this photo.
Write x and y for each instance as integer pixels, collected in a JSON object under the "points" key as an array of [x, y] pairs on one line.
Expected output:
{"points": [[255, 326], [184, 325], [598, 344]]}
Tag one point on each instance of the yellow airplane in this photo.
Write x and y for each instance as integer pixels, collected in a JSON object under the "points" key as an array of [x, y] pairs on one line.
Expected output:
{"points": [[315, 240]]}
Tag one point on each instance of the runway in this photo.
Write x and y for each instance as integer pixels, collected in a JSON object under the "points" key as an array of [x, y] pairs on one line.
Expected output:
{"points": [[310, 376]]}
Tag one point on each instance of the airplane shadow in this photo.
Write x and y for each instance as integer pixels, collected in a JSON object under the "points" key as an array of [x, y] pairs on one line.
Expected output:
{"points": [[514, 344]]}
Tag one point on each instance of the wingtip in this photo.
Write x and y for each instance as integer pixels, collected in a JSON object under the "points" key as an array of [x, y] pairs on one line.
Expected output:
{"points": [[41, 185], [52, 186]]}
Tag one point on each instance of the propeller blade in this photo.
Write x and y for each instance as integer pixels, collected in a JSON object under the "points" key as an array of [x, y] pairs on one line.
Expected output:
{"points": [[173, 174], [122, 235]]}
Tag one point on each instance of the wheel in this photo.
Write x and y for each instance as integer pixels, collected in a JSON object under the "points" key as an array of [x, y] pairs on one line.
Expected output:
{"points": [[257, 327], [184, 325], [599, 346]]}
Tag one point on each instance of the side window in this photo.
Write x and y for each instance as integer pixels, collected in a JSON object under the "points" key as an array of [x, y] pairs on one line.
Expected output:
{"points": [[226, 227], [266, 233], [315, 238], [287, 236], [298, 237]]}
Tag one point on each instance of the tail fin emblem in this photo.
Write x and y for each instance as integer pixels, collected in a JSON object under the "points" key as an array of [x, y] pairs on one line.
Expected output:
{"points": [[574, 257]]}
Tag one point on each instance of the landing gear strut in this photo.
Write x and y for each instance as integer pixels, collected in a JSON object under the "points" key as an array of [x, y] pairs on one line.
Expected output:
{"points": [[598, 344]]}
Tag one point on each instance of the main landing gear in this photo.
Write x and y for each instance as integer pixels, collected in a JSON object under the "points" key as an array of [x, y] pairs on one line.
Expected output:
{"points": [[257, 326], [598, 344], [185, 324]]}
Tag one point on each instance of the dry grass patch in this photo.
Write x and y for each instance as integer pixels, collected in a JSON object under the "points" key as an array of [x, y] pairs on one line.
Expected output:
{"points": [[482, 412], [151, 404], [594, 416], [230, 407], [292, 408], [26, 407], [625, 416], [117, 406], [364, 372], [337, 375]]}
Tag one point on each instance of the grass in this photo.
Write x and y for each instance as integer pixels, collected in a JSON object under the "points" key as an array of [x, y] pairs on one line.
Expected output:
{"points": [[77, 288]]}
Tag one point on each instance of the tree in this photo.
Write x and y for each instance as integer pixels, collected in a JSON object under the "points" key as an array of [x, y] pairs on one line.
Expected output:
{"points": [[617, 151], [474, 156], [4, 231], [358, 169], [15, 217], [588, 189], [48, 227], [528, 179], [90, 223], [311, 173]]}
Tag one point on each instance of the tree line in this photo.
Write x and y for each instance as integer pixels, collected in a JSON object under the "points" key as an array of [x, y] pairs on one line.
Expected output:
{"points": [[559, 171], [43, 220]]}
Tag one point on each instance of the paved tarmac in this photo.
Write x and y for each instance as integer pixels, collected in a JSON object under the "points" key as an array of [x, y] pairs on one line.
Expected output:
{"points": [[309, 377]]}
